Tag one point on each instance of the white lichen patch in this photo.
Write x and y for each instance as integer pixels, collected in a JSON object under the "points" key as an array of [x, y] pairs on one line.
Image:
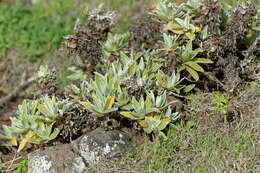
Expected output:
{"points": [[39, 164], [107, 149], [92, 147], [110, 15], [85, 152], [120, 136], [81, 153], [78, 165]]}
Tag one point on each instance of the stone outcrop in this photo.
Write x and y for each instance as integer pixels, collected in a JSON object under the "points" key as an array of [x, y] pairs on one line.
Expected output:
{"points": [[81, 153]]}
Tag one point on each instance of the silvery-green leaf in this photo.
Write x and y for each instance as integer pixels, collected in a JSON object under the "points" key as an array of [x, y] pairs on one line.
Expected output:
{"points": [[163, 124], [195, 66], [148, 129], [75, 89], [187, 21], [141, 64], [131, 69], [128, 115], [189, 88], [204, 33], [168, 112]]}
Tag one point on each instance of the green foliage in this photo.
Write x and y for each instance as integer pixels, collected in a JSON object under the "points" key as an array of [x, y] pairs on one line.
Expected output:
{"points": [[256, 26], [221, 147], [77, 93], [177, 18], [102, 92], [114, 44], [142, 108], [147, 68], [35, 121], [154, 123], [75, 73], [44, 75], [183, 26], [221, 102], [204, 33], [171, 83], [51, 109], [33, 31], [144, 75], [22, 166], [152, 115], [189, 62], [124, 68], [170, 42], [165, 10], [122, 97], [108, 92], [142, 67]]}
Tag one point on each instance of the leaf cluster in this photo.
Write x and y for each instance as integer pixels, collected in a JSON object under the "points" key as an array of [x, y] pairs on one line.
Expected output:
{"points": [[45, 76], [35, 121], [177, 19], [22, 166], [221, 102], [114, 44]]}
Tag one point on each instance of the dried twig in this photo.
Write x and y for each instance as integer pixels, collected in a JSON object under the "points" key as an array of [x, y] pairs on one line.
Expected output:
{"points": [[251, 49], [9, 164], [248, 55], [211, 77], [12, 161], [22, 86]]}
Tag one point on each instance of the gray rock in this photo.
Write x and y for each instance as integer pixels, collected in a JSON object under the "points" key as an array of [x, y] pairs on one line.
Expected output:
{"points": [[102, 143], [85, 151], [59, 158]]}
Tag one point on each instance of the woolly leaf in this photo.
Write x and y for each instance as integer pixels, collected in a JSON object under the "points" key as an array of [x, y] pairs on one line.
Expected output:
{"points": [[195, 66], [193, 73], [129, 115], [203, 61], [163, 124], [189, 88], [143, 123]]}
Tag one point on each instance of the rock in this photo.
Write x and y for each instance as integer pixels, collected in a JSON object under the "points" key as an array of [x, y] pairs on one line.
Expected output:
{"points": [[77, 156], [59, 158], [102, 143]]}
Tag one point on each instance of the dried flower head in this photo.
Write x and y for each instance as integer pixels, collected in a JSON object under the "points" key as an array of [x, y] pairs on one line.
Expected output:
{"points": [[210, 14]]}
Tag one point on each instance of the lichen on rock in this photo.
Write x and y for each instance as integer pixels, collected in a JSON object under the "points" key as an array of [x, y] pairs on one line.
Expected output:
{"points": [[81, 153]]}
